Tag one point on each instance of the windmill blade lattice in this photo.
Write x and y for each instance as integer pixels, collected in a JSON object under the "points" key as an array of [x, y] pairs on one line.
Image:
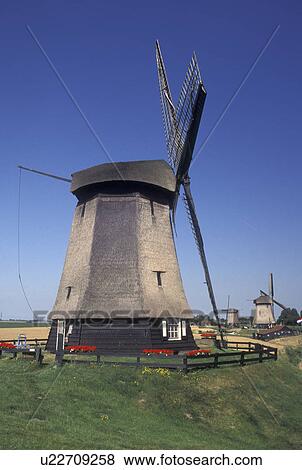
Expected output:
{"points": [[167, 106], [178, 121], [186, 204], [181, 128], [185, 110], [191, 213]]}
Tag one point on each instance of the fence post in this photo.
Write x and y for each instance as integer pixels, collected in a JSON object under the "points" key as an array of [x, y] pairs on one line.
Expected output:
{"points": [[39, 356], [185, 364], [98, 359], [59, 358], [138, 361], [60, 349], [0, 353], [216, 360], [249, 346], [242, 359], [260, 355], [276, 354]]}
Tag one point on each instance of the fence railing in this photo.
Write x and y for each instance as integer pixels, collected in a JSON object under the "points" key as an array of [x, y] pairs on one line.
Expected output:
{"points": [[241, 353], [33, 353], [244, 353], [31, 342]]}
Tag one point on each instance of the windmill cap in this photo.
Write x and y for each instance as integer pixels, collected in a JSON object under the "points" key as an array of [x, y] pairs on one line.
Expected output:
{"points": [[150, 172], [262, 300]]}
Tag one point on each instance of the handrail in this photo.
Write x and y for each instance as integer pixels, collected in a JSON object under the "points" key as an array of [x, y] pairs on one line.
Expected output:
{"points": [[183, 362], [15, 340]]}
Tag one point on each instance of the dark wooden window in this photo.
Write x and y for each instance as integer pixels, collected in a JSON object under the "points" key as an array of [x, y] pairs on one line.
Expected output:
{"points": [[68, 292], [152, 208], [159, 277]]}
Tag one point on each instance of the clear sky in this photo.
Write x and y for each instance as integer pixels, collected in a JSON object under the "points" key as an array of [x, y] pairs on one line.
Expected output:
{"points": [[247, 179]]}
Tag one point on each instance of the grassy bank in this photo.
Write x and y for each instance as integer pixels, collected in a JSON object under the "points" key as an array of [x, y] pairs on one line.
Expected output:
{"points": [[93, 407]]}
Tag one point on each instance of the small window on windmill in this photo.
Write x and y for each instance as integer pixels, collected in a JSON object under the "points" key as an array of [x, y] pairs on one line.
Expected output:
{"points": [[174, 329], [152, 208], [83, 210], [68, 292], [159, 278]]}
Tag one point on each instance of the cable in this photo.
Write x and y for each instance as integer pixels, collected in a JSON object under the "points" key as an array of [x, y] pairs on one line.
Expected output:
{"points": [[18, 243], [259, 395]]}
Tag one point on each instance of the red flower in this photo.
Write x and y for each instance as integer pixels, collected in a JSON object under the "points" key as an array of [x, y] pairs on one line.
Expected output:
{"points": [[7, 345], [81, 348], [198, 352], [167, 352]]}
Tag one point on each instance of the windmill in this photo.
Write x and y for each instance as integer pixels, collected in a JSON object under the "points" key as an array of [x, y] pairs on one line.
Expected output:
{"points": [[264, 314], [121, 288], [181, 123]]}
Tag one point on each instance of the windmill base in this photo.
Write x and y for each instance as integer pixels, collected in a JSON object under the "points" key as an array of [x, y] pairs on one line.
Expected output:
{"points": [[121, 336]]}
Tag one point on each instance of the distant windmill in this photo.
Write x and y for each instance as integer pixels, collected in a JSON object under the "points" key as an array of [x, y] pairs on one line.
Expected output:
{"points": [[264, 314], [181, 124]]}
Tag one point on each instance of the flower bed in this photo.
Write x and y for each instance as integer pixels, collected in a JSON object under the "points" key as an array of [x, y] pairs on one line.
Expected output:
{"points": [[198, 352], [208, 335], [7, 345], [80, 348], [166, 352]]}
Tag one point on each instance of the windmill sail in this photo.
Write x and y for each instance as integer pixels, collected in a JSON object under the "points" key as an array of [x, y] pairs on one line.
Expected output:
{"points": [[271, 290], [168, 109], [191, 213], [181, 123], [188, 113], [262, 292], [271, 286], [181, 128]]}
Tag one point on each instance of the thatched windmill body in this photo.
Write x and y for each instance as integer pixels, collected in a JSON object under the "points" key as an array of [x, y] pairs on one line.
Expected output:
{"points": [[121, 288]]}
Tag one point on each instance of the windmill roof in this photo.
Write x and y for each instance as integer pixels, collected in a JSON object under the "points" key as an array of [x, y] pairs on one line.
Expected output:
{"points": [[263, 299], [152, 172]]}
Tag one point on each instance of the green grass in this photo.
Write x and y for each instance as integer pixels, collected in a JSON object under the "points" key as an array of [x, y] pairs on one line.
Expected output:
{"points": [[105, 407]]}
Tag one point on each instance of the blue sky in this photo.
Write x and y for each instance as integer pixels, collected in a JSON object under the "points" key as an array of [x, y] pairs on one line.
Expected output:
{"points": [[247, 179]]}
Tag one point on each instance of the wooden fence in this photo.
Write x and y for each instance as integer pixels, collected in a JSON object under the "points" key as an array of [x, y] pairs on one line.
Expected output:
{"points": [[30, 342], [244, 353], [241, 353], [33, 353]]}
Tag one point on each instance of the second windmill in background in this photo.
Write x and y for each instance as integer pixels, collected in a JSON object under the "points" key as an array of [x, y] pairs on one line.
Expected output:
{"points": [[264, 314]]}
